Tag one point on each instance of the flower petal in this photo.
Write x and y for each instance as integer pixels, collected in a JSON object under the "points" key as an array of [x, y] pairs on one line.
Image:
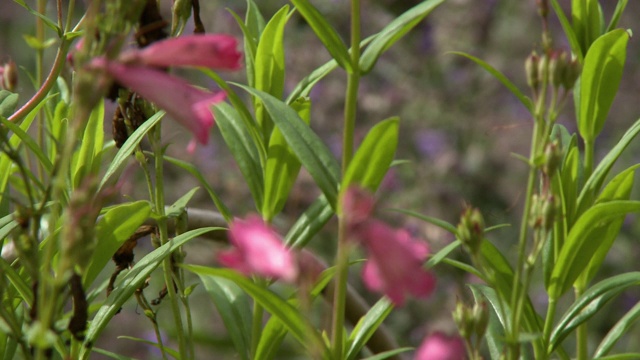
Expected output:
{"points": [[439, 346], [216, 51]]}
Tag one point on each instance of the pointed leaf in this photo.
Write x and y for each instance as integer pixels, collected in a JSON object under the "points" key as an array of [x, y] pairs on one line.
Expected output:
{"points": [[618, 331], [367, 326], [601, 75], [568, 30], [309, 223], [583, 241], [371, 161], [325, 32], [590, 303], [8, 103], [311, 151], [394, 32], [88, 159]]}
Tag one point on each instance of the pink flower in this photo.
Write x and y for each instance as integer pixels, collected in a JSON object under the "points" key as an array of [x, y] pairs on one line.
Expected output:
{"points": [[439, 346], [258, 251], [395, 264], [186, 104], [215, 51], [357, 205]]}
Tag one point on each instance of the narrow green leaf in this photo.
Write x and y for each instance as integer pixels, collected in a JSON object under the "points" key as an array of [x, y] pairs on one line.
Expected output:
{"points": [[272, 336], [127, 149], [618, 331], [50, 23], [130, 282], [29, 142], [367, 326], [111, 354], [590, 303], [388, 354], [177, 208], [290, 316], [169, 351], [243, 149], [394, 32], [311, 151], [112, 230], [16, 281], [601, 75], [583, 241], [282, 166], [193, 170], [309, 223], [568, 30], [303, 89], [235, 310], [436, 258], [627, 356], [325, 32], [431, 220], [8, 103], [500, 77], [371, 161], [498, 318], [597, 178], [88, 160], [586, 22], [269, 66], [618, 189], [617, 13]]}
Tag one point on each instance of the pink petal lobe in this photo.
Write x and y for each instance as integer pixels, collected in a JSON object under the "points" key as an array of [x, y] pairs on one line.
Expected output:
{"points": [[439, 346]]}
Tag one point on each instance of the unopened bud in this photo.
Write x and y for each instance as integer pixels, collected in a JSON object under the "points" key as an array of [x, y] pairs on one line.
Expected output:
{"points": [[481, 318], [557, 65], [543, 7], [548, 212], [463, 317], [470, 230], [571, 73], [552, 158], [531, 68], [9, 76]]}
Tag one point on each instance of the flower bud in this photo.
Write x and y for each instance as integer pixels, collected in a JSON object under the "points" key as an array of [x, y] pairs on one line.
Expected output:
{"points": [[464, 319], [552, 158], [481, 318], [571, 73], [557, 65], [9, 76], [470, 230], [543, 7], [531, 69]]}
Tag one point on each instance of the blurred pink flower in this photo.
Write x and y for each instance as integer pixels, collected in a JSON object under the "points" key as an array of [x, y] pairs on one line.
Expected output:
{"points": [[186, 104], [357, 205], [258, 251], [215, 51], [439, 346], [395, 264]]}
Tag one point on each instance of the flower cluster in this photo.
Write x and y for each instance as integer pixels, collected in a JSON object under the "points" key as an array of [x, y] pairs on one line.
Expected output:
{"points": [[395, 263], [140, 71]]}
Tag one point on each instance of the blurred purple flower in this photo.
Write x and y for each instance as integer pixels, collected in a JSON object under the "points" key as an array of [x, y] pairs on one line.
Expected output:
{"points": [[258, 251], [439, 346]]}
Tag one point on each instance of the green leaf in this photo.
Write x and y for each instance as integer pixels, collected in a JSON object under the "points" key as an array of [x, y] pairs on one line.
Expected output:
{"points": [[8, 103], [601, 75], [177, 208], [311, 151], [251, 28], [597, 178], [282, 166], [394, 32], [627, 356], [193, 170], [367, 326], [243, 149], [500, 77], [50, 23], [131, 281], [371, 161], [617, 13], [388, 354], [618, 331], [436, 258], [88, 158], [29, 142], [325, 32], [590, 303], [271, 338], [291, 317], [16, 281], [111, 354], [431, 220], [112, 230], [303, 89], [235, 310], [128, 148], [583, 241], [309, 223], [169, 351], [618, 189], [568, 30], [570, 176], [498, 320], [587, 23], [269, 66]]}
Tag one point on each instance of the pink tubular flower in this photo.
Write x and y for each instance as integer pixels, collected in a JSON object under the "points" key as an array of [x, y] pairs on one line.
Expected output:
{"points": [[258, 251], [216, 51], [186, 104], [439, 346], [395, 262]]}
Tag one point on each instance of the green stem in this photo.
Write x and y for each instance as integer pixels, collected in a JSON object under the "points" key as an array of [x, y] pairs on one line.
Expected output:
{"points": [[256, 326], [164, 238], [588, 158], [548, 322], [342, 256]]}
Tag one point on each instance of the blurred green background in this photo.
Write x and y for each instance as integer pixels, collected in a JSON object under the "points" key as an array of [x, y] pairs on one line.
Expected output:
{"points": [[459, 128]]}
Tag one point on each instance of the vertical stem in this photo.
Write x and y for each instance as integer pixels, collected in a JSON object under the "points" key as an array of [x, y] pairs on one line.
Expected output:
{"points": [[588, 158], [167, 265], [582, 335], [342, 256], [256, 327]]}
